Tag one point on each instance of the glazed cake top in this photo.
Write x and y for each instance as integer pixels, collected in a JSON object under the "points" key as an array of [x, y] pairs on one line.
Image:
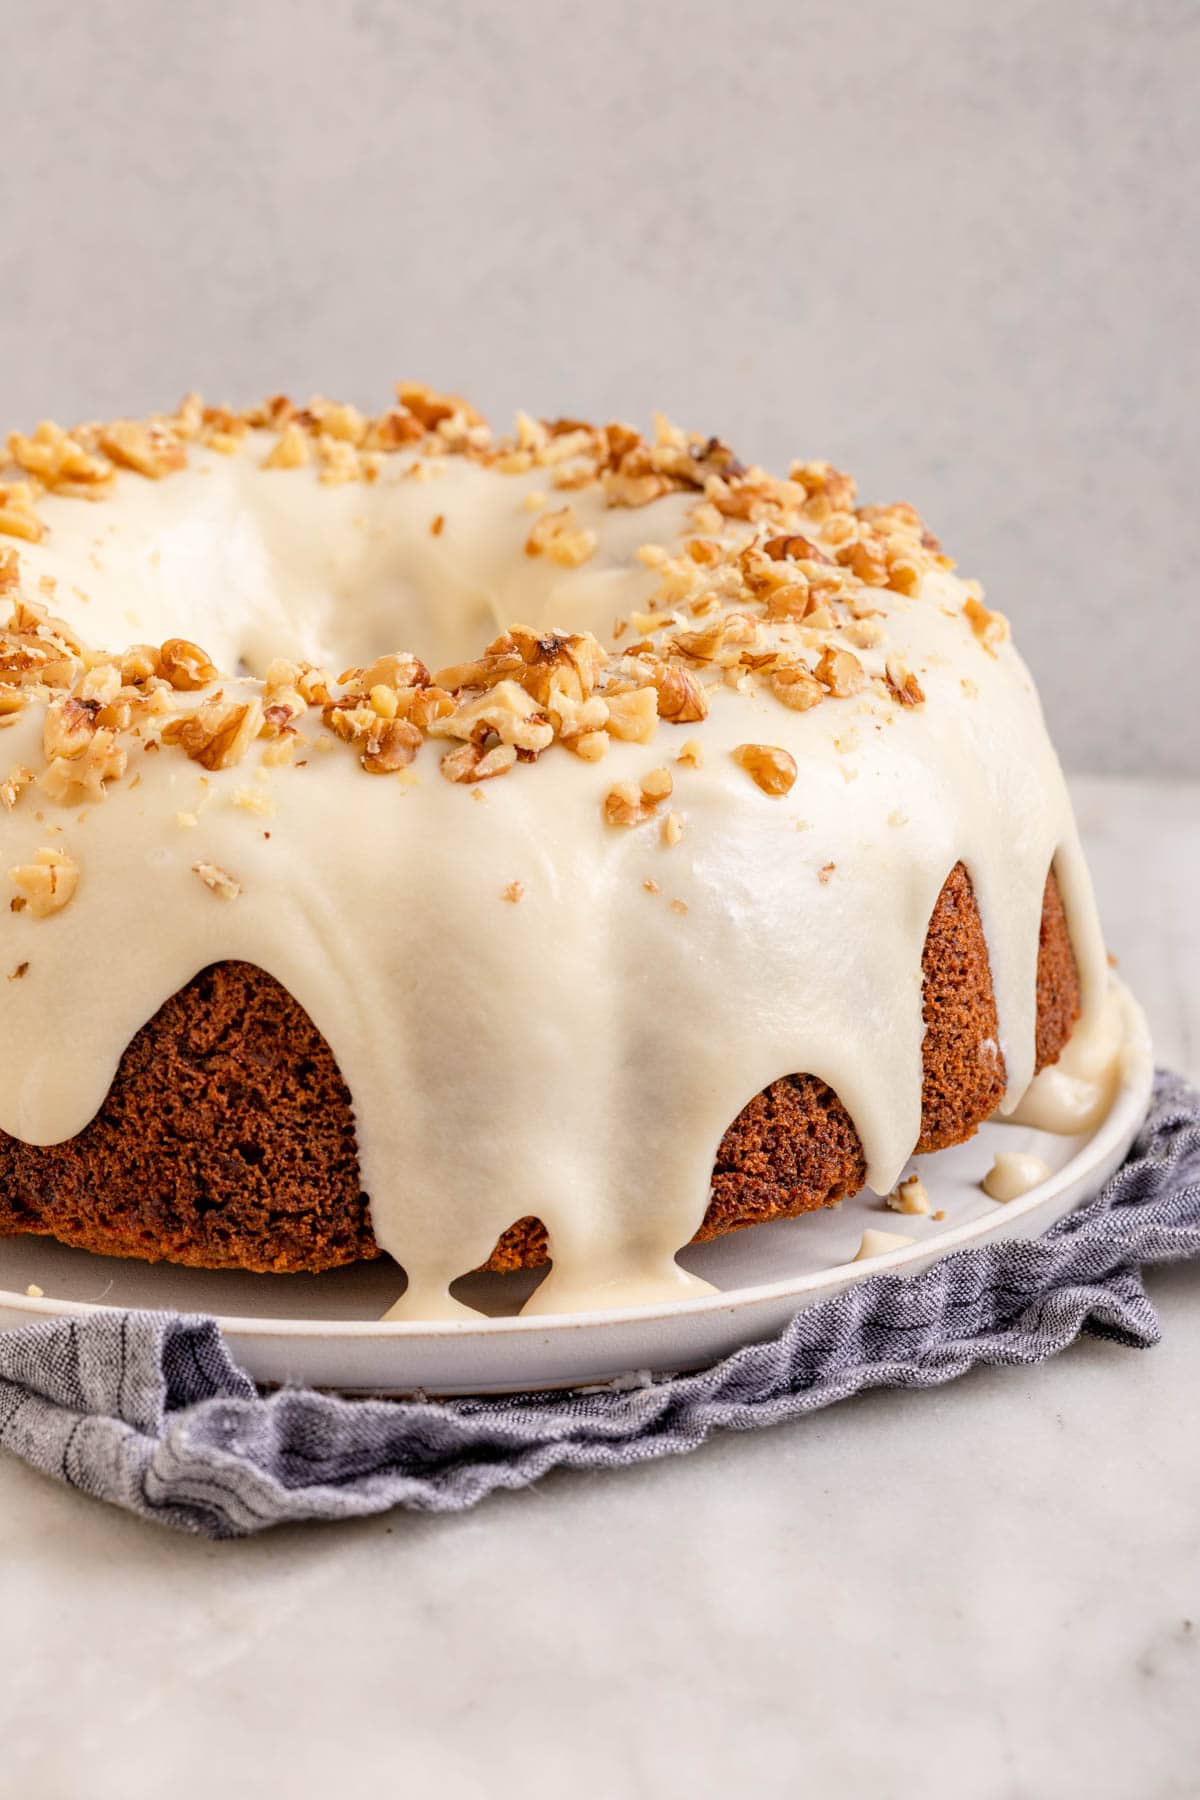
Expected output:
{"points": [[725, 735]]}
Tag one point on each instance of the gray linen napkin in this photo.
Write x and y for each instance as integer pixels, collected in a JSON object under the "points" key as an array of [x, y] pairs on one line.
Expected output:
{"points": [[148, 1410]]}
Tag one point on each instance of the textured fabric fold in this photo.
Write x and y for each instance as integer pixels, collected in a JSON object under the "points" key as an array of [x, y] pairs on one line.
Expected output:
{"points": [[149, 1411]]}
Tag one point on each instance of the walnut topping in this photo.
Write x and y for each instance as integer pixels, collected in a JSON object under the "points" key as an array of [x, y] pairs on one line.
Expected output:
{"points": [[772, 769], [841, 672], [633, 714], [681, 699], [46, 885], [825, 873], [795, 548], [17, 517], [991, 628], [471, 762], [794, 683], [289, 451], [903, 684], [514, 893], [505, 712], [219, 734], [58, 461], [14, 785], [559, 536], [692, 753], [672, 829], [217, 880], [393, 746], [150, 447], [631, 803], [801, 554], [68, 727], [185, 665], [82, 775]]}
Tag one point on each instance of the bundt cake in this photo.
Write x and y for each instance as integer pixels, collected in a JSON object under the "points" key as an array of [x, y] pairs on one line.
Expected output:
{"points": [[697, 856]]}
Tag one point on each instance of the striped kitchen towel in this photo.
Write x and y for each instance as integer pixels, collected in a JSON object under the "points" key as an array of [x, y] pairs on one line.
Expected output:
{"points": [[149, 1411]]}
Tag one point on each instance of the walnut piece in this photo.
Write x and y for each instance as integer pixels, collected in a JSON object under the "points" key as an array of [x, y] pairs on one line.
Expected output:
{"points": [[185, 665], [631, 802], [149, 447], [991, 628], [841, 672], [681, 699], [219, 734], [771, 769], [217, 880], [903, 684], [46, 885], [795, 685]]}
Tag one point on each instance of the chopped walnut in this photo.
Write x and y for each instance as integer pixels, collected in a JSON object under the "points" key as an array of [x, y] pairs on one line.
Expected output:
{"points": [[150, 447], [505, 711], [692, 753], [46, 885], [795, 685], [772, 769], [185, 665], [903, 684], [672, 829], [909, 1197], [472, 763], [217, 880], [289, 451], [59, 461], [795, 548], [559, 536], [82, 775], [17, 516], [14, 785], [220, 733], [392, 746], [681, 699], [991, 628], [841, 672], [514, 893], [633, 714], [631, 803]]}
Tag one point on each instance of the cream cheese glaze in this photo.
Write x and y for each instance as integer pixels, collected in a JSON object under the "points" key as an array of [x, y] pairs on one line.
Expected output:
{"points": [[577, 1054]]}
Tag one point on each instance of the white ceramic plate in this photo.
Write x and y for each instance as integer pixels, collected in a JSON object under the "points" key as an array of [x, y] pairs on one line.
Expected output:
{"points": [[325, 1329]]}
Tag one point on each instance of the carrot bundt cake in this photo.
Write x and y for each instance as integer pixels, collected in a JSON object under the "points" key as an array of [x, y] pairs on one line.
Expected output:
{"points": [[498, 850]]}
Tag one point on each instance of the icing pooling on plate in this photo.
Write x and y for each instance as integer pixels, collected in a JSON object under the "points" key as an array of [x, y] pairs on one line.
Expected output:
{"points": [[577, 1054]]}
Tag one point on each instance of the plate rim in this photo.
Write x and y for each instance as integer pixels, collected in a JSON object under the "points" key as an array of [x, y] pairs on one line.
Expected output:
{"points": [[1128, 1107]]}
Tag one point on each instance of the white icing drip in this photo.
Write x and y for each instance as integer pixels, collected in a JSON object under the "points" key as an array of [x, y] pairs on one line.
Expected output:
{"points": [[1073, 1094], [880, 1243], [1012, 1174], [578, 1055]]}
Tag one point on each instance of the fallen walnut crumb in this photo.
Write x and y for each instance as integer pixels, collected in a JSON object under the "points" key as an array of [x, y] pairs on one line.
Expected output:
{"points": [[909, 1197], [514, 893], [216, 879]]}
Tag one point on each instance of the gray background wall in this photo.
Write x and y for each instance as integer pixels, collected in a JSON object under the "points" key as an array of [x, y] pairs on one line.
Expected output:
{"points": [[951, 245]]}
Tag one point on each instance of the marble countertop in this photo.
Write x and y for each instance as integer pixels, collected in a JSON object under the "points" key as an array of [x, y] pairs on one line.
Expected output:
{"points": [[990, 1589]]}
